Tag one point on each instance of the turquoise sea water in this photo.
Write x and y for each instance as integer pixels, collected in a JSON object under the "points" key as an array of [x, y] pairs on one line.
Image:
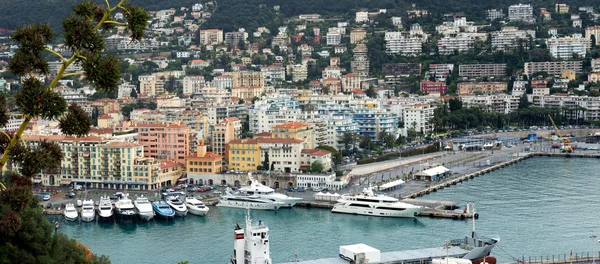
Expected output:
{"points": [[542, 206]]}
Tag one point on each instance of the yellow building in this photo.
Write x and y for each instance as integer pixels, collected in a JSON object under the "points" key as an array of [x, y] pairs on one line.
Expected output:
{"points": [[243, 154], [295, 130], [357, 35], [228, 129], [203, 162], [569, 74]]}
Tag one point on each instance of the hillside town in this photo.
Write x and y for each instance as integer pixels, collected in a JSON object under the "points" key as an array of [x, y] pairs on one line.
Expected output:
{"points": [[208, 106]]}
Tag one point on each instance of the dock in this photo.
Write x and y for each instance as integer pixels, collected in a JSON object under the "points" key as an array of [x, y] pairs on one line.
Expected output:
{"points": [[434, 204], [407, 256]]}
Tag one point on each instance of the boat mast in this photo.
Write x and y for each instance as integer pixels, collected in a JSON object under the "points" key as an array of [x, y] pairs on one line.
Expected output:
{"points": [[473, 216]]}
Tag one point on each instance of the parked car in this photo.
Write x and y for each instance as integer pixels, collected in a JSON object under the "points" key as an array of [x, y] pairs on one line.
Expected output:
{"points": [[46, 197], [70, 195]]}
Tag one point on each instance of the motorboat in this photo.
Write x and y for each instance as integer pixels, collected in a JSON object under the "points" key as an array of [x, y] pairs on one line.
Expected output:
{"points": [[258, 189], [70, 212], [143, 208], [176, 203], [247, 201], [195, 206], [105, 208], [87, 211], [125, 208], [367, 203], [162, 209]]}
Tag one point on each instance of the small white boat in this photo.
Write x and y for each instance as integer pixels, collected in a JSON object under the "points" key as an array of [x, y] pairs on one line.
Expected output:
{"points": [[195, 206], [87, 211], [70, 212], [125, 208], [178, 206], [144, 208], [105, 208]]}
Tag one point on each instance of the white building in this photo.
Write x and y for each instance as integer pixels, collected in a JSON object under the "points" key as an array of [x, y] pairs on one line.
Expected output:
{"points": [[397, 22], [333, 38], [125, 89], [521, 12], [192, 84], [362, 16], [508, 38], [500, 103], [448, 45], [519, 88], [417, 117], [397, 43], [567, 47]]}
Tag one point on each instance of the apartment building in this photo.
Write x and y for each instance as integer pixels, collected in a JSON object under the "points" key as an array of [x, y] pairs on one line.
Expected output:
{"points": [[482, 70], [193, 84], [417, 117], [593, 31], [350, 82], [295, 130], [284, 153], [273, 74], [362, 16], [309, 156], [310, 17], [125, 90], [372, 121], [508, 38], [357, 35], [499, 103], [333, 38], [553, 67], [481, 87], [448, 45], [561, 8], [171, 141], [299, 72], [203, 162], [397, 43], [248, 78], [521, 12], [150, 86], [428, 87], [228, 129], [493, 14], [247, 92], [360, 61], [568, 47], [234, 38], [223, 81], [266, 113], [563, 101], [441, 71], [211, 36]]}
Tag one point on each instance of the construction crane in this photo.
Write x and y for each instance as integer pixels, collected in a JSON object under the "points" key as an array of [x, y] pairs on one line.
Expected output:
{"points": [[565, 147]]}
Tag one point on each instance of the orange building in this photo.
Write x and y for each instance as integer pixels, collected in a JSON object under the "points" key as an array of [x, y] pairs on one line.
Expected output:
{"points": [[203, 162]]}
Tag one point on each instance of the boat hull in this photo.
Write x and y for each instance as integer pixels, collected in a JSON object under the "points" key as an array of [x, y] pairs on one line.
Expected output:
{"points": [[346, 209], [88, 218], [105, 214], [198, 211], [251, 205], [146, 216], [126, 215], [181, 213], [71, 218]]}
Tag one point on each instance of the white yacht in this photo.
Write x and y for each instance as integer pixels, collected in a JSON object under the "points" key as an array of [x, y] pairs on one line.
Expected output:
{"points": [[248, 201], [195, 206], [258, 189], [368, 203], [175, 202], [87, 211], [70, 212], [143, 208], [125, 208], [105, 208]]}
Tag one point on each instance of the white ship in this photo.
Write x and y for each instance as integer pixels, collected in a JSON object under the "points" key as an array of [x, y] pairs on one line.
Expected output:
{"points": [[265, 192], [143, 208], [70, 212], [367, 203], [246, 201], [125, 208], [105, 208], [252, 246], [87, 211]]}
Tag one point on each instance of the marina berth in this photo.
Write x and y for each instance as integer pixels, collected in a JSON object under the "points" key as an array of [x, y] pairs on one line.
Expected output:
{"points": [[367, 203], [196, 207], [162, 209], [87, 211], [70, 212], [174, 200], [144, 208], [105, 208]]}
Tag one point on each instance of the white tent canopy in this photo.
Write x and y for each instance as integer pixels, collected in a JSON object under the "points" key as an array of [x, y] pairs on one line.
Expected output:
{"points": [[433, 171], [391, 184]]}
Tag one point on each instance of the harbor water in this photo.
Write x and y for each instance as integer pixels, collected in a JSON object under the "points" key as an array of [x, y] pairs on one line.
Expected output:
{"points": [[539, 207]]}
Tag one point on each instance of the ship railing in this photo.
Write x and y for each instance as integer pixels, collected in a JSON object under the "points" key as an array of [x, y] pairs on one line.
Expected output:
{"points": [[569, 257]]}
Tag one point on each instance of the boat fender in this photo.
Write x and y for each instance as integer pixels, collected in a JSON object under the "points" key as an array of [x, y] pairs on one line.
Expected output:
{"points": [[476, 216], [366, 260]]}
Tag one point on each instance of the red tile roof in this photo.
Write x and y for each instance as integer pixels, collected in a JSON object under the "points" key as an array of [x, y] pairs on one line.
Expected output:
{"points": [[315, 152], [292, 125], [279, 140]]}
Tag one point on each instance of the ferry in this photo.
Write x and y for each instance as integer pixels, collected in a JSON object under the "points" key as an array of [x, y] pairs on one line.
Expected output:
{"points": [[265, 192], [367, 203]]}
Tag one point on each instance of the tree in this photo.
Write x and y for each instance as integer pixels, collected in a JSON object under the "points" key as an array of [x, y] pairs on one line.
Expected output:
{"points": [[348, 139], [25, 235], [523, 102], [265, 164], [316, 166]]}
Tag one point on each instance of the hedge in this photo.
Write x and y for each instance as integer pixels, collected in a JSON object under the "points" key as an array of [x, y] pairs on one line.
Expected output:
{"points": [[435, 147]]}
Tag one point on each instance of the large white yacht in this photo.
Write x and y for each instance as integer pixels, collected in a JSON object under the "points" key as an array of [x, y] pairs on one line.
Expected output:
{"points": [[258, 189], [143, 208], [70, 212], [247, 201], [176, 203], [367, 203], [125, 208], [105, 208], [87, 211], [195, 206]]}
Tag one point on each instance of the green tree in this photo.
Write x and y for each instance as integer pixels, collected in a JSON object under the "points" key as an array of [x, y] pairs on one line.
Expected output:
{"points": [[523, 102], [265, 164], [25, 235], [317, 166], [348, 139]]}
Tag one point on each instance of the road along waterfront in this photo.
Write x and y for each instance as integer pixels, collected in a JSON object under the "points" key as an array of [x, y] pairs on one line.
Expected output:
{"points": [[539, 206]]}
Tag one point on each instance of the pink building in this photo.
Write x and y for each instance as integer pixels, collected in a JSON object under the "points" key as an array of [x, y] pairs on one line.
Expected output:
{"points": [[428, 87], [163, 141]]}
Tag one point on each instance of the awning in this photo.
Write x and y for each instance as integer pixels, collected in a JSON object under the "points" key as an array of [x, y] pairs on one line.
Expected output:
{"points": [[65, 181]]}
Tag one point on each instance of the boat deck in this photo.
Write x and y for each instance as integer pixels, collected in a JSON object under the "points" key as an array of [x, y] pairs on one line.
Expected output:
{"points": [[433, 204], [406, 256]]}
